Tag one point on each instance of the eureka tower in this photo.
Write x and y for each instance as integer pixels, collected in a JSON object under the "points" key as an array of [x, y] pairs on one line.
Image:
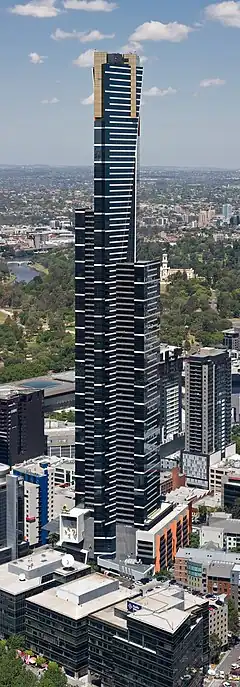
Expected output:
{"points": [[117, 324]]}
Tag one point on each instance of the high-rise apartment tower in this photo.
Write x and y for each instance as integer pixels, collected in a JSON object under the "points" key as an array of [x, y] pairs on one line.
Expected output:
{"points": [[21, 425], [208, 412], [117, 308]]}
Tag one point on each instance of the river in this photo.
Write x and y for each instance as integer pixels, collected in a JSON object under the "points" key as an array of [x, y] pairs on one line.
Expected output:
{"points": [[22, 272]]}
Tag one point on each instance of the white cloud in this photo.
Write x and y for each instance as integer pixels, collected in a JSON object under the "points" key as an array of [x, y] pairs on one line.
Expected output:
{"points": [[89, 100], [207, 83], [86, 59], [156, 31], [35, 58], [41, 9], [90, 5], [227, 13], [52, 101], [156, 92], [95, 35], [132, 46], [83, 36]]}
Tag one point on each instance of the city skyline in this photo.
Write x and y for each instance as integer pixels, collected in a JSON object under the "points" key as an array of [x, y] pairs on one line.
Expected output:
{"points": [[190, 103]]}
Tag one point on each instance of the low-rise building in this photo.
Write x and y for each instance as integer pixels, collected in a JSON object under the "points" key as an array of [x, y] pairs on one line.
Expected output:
{"points": [[230, 465], [160, 638], [205, 570], [158, 635], [223, 532], [57, 619], [24, 577], [171, 480], [129, 568]]}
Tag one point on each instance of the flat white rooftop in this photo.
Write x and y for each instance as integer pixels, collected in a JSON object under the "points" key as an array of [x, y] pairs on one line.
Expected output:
{"points": [[68, 607], [166, 607], [26, 573]]}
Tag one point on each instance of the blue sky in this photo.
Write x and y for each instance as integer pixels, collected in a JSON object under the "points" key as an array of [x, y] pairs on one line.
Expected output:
{"points": [[190, 52]]}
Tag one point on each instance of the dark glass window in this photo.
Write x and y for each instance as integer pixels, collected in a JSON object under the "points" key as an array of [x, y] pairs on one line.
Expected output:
{"points": [[139, 360], [80, 335], [80, 435], [79, 302], [79, 219], [80, 235], [98, 134]]}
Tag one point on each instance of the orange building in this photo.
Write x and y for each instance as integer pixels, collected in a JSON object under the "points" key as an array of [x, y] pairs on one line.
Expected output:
{"points": [[161, 542]]}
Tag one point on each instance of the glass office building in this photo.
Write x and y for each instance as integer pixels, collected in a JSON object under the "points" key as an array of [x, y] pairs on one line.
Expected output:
{"points": [[117, 307]]}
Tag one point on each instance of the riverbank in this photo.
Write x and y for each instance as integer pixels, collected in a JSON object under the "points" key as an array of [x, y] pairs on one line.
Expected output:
{"points": [[38, 267], [21, 272]]}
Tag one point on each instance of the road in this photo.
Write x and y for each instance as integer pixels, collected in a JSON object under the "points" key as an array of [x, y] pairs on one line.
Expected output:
{"points": [[225, 664]]}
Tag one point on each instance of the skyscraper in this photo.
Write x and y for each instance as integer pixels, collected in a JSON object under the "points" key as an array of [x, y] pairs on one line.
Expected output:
{"points": [[21, 425], [208, 412], [227, 211], [117, 309]]}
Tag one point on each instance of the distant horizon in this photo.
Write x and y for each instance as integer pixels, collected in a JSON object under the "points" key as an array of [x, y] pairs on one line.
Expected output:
{"points": [[143, 166]]}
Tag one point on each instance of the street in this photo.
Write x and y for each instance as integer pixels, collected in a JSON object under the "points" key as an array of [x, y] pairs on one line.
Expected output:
{"points": [[225, 664]]}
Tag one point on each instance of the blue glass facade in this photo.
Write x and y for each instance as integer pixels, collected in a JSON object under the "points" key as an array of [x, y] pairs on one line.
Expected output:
{"points": [[111, 403]]}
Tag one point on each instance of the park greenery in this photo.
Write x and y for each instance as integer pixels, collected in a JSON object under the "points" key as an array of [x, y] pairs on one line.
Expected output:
{"points": [[37, 319], [15, 673], [38, 334], [197, 310]]}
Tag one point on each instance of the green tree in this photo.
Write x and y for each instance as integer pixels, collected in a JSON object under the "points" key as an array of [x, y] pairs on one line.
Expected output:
{"points": [[202, 513], [215, 647], [53, 677], [53, 538], [15, 642], [194, 540], [13, 673], [233, 620], [164, 575]]}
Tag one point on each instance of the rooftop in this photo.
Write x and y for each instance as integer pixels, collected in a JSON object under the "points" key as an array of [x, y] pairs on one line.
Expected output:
{"points": [[228, 526], [165, 607], [180, 508], [208, 556], [222, 570], [52, 384], [208, 353], [186, 494], [26, 573], [68, 600]]}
